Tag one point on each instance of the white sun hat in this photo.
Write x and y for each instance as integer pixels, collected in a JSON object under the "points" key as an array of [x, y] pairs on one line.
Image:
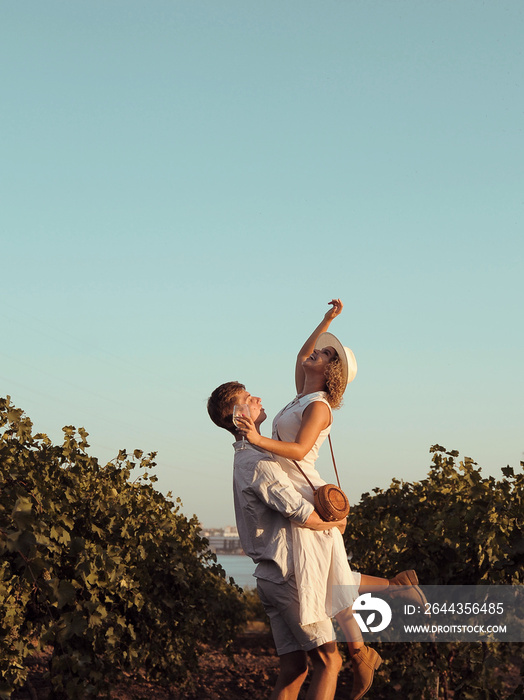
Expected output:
{"points": [[347, 358]]}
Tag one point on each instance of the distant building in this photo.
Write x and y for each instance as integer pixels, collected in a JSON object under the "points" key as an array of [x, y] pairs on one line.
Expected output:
{"points": [[223, 540]]}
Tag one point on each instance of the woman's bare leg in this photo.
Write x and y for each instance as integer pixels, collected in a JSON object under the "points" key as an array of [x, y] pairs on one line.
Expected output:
{"points": [[403, 585], [363, 659], [350, 629], [370, 584]]}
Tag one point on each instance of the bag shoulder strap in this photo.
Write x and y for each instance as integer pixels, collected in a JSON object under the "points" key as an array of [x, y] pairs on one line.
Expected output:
{"points": [[302, 471], [333, 458]]}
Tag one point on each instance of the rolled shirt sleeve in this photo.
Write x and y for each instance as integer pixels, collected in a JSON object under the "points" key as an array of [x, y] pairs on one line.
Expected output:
{"points": [[266, 506], [272, 485]]}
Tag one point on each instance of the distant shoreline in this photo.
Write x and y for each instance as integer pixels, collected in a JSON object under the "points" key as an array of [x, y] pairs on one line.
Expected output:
{"points": [[227, 552]]}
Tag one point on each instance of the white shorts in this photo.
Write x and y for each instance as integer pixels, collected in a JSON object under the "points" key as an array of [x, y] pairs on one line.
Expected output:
{"points": [[281, 603]]}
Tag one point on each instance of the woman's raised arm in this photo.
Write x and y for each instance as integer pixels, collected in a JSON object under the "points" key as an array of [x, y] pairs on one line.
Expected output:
{"points": [[308, 347]]}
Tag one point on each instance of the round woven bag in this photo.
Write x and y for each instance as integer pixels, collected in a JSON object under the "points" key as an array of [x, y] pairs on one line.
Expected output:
{"points": [[331, 503]]}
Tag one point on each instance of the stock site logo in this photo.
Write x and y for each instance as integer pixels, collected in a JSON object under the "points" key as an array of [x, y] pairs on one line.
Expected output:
{"points": [[366, 603]]}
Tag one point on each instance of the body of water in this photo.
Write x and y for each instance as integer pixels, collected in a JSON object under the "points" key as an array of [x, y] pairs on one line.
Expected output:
{"points": [[240, 568]]}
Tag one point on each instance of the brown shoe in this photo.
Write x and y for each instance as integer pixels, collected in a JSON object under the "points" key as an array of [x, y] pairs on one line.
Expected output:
{"points": [[365, 662], [408, 588]]}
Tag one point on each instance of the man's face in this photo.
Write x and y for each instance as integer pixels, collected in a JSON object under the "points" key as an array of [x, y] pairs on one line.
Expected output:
{"points": [[256, 409]]}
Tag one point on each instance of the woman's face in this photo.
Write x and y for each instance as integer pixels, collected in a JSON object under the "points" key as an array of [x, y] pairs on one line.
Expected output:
{"points": [[319, 360]]}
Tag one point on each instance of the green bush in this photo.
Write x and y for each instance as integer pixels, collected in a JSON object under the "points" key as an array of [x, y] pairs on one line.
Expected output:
{"points": [[454, 527], [103, 569]]}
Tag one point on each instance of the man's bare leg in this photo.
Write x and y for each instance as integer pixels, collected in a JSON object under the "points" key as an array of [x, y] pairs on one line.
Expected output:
{"points": [[327, 663], [293, 672]]}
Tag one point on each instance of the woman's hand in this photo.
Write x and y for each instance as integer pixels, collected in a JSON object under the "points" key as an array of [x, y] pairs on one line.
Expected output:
{"points": [[336, 309], [308, 347], [248, 429], [315, 522]]}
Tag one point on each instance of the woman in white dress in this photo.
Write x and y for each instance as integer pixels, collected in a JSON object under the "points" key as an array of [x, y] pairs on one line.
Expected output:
{"points": [[326, 584]]}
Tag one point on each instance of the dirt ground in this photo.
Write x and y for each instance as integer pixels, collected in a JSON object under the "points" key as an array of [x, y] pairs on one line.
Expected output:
{"points": [[249, 676]]}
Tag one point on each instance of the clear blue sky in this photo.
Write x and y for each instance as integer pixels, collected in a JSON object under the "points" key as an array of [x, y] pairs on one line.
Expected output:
{"points": [[185, 185]]}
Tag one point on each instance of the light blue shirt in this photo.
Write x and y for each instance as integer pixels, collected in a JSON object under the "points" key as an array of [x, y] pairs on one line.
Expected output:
{"points": [[265, 504]]}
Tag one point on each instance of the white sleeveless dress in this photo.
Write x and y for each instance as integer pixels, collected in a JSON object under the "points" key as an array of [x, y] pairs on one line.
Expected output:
{"points": [[325, 582]]}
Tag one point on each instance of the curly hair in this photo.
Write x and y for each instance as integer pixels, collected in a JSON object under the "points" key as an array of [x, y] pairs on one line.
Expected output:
{"points": [[335, 384], [220, 404]]}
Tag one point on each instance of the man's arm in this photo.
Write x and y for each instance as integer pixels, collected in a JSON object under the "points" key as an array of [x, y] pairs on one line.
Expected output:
{"points": [[315, 522], [273, 486]]}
